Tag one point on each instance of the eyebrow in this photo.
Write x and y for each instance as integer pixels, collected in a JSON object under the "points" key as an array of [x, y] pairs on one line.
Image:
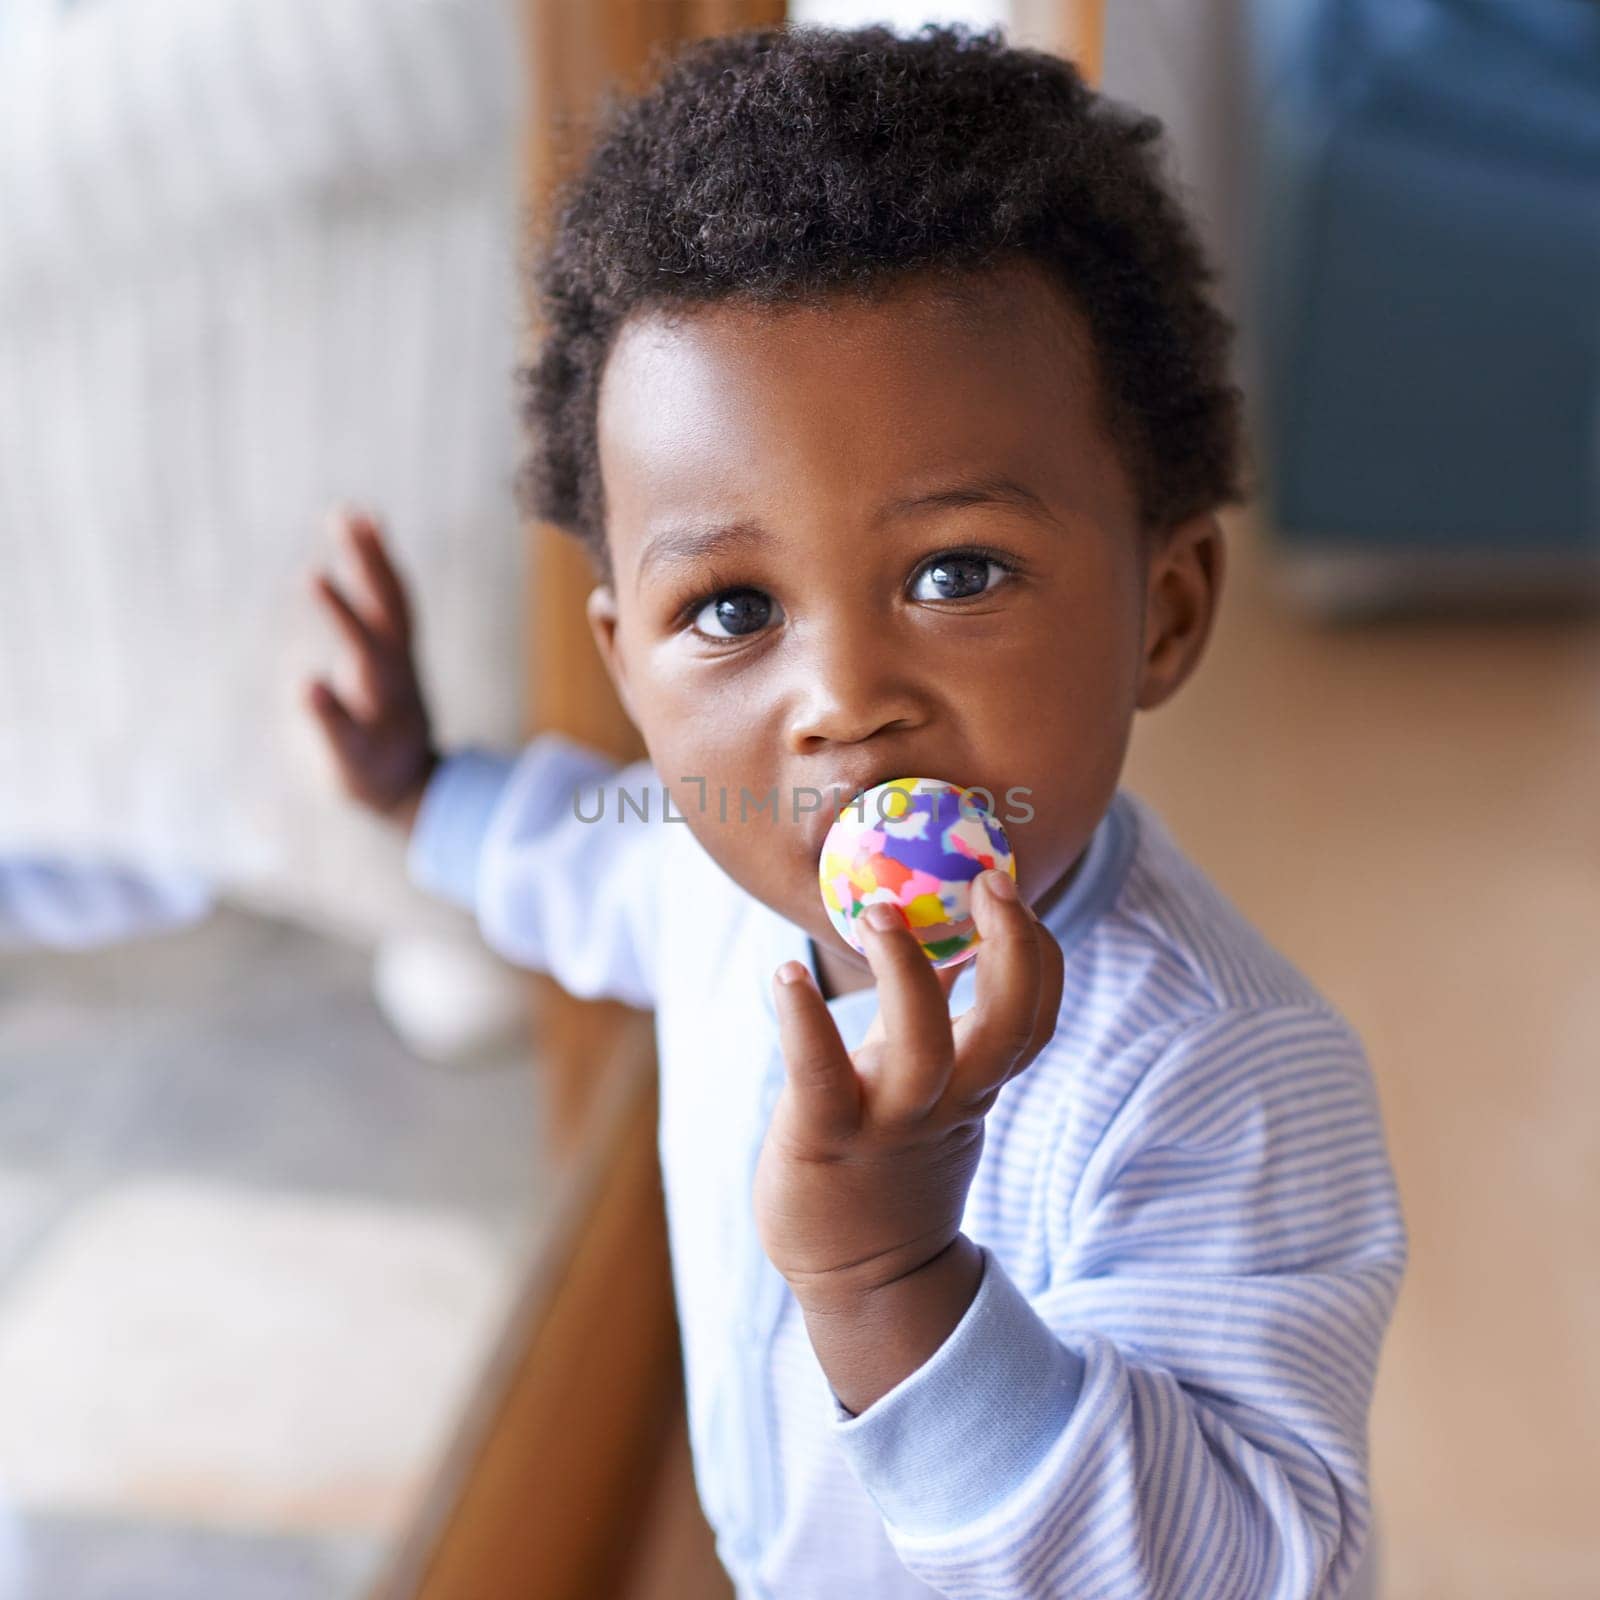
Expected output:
{"points": [[698, 541]]}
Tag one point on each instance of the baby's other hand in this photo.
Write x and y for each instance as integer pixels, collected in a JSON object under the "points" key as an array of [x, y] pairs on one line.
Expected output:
{"points": [[379, 733]]}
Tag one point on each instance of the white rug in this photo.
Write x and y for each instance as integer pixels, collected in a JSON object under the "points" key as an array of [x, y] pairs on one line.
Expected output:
{"points": [[216, 1355]]}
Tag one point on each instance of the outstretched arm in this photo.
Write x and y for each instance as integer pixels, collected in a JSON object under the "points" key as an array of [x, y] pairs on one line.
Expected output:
{"points": [[517, 839]]}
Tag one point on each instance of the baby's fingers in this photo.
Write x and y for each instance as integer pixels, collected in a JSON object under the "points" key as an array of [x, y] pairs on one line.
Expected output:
{"points": [[1052, 984], [343, 732], [358, 635], [994, 1036], [377, 676], [822, 1077], [391, 609]]}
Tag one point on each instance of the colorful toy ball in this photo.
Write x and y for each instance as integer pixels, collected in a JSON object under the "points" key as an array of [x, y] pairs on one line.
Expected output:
{"points": [[917, 843]]}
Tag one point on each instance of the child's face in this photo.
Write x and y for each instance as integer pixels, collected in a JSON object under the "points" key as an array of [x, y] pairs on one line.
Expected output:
{"points": [[842, 654]]}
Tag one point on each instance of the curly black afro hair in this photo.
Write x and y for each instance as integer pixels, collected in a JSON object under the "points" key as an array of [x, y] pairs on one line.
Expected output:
{"points": [[787, 164]]}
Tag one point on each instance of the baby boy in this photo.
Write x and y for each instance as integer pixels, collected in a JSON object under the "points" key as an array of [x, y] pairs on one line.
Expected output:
{"points": [[881, 383]]}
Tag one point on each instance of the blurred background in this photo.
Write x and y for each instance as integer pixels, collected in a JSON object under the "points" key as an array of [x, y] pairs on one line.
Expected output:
{"points": [[303, 1194]]}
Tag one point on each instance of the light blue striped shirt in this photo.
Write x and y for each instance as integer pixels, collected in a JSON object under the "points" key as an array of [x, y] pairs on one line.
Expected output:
{"points": [[1190, 1231]]}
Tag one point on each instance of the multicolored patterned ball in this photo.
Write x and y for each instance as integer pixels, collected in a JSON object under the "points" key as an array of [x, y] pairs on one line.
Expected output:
{"points": [[917, 843]]}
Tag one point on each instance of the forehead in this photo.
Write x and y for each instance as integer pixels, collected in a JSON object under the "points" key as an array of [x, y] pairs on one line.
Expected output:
{"points": [[737, 411]]}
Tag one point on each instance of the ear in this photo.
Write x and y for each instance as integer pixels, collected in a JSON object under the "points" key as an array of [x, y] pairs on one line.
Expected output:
{"points": [[601, 609], [1183, 588]]}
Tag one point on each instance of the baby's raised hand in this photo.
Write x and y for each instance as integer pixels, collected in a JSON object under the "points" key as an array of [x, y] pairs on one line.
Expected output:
{"points": [[379, 733], [864, 1173]]}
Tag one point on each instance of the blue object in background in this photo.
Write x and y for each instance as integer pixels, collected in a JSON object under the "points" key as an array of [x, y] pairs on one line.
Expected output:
{"points": [[76, 903], [1427, 272]]}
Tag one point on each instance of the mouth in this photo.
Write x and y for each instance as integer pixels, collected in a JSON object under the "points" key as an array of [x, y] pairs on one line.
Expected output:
{"points": [[836, 796], [816, 825]]}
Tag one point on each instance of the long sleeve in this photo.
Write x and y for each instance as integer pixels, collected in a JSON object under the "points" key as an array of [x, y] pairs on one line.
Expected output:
{"points": [[557, 853], [74, 904], [1182, 1410]]}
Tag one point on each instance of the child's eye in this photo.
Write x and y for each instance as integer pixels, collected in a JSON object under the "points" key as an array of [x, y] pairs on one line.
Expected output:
{"points": [[740, 611], [732, 614], [960, 574]]}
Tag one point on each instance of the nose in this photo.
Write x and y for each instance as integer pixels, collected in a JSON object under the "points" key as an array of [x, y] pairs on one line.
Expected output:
{"points": [[850, 684]]}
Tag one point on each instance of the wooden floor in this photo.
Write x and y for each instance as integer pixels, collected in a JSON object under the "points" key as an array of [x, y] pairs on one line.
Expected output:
{"points": [[1411, 812]]}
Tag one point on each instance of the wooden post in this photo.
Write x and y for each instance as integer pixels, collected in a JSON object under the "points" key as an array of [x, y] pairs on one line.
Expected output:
{"points": [[1071, 28], [577, 48], [538, 1494]]}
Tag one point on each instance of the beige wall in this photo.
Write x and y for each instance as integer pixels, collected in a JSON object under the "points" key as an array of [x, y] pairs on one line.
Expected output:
{"points": [[1409, 812]]}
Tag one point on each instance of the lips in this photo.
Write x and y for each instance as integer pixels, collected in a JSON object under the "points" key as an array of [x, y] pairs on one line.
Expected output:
{"points": [[817, 823]]}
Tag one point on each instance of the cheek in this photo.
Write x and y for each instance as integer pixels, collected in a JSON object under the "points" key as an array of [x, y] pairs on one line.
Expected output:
{"points": [[1067, 673], [717, 768], [701, 739], [1049, 719], [692, 719]]}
